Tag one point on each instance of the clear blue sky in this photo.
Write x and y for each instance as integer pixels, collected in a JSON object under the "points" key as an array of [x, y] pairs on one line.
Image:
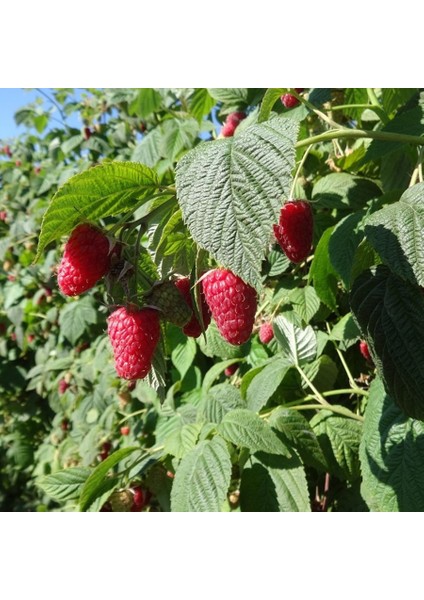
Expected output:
{"points": [[13, 98]]}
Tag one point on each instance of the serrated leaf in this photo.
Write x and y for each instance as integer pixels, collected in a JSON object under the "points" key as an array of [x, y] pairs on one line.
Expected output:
{"points": [[339, 438], [183, 350], [322, 372], [278, 263], [94, 486], [392, 456], [345, 329], [75, 317], [200, 103], [244, 428], [202, 479], [109, 189], [395, 232], [274, 484], [182, 440], [178, 135], [390, 314], [299, 433], [322, 272], [305, 302], [234, 96], [342, 190], [214, 372], [343, 243], [270, 98], [145, 103], [395, 97], [148, 151], [266, 383], [410, 122], [299, 345], [231, 191], [215, 345], [64, 485], [220, 400]]}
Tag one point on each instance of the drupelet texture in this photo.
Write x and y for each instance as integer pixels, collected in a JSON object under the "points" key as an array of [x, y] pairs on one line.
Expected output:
{"points": [[266, 333], [193, 327], [294, 231]]}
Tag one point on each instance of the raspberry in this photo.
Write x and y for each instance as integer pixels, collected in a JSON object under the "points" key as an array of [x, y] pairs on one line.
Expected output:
{"points": [[166, 296], [231, 123], [232, 303], [295, 230], [87, 133], [229, 371], [125, 430], [266, 333], [3, 215], [86, 260], [139, 499], [63, 386], [134, 335], [363, 348], [290, 101], [193, 327]]}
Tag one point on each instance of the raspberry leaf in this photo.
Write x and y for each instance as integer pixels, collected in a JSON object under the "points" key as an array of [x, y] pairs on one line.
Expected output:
{"points": [[231, 193], [64, 485], [202, 478], [390, 314], [395, 232], [299, 345], [391, 455], [76, 317], [106, 190]]}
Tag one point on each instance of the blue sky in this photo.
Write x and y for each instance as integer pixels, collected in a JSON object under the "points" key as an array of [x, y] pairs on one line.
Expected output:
{"points": [[13, 98]]}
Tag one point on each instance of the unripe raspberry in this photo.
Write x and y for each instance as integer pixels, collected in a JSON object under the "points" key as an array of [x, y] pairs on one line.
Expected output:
{"points": [[294, 231], [166, 296], [266, 333], [134, 335], [121, 501], [233, 304], [364, 350], [290, 101], [86, 259], [193, 327]]}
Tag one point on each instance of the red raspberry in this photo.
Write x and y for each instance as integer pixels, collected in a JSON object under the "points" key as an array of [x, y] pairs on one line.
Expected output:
{"points": [[229, 371], [125, 430], [86, 260], [30, 338], [266, 333], [139, 500], [295, 230], [63, 386], [3, 215], [231, 123], [106, 448], [232, 303], [193, 327], [134, 335], [87, 133], [65, 425], [18, 163], [363, 348], [290, 101]]}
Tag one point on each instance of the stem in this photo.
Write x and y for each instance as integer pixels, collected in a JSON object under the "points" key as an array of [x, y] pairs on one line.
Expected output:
{"points": [[299, 168], [386, 136], [342, 360], [318, 396], [376, 106], [313, 108], [134, 414], [335, 409]]}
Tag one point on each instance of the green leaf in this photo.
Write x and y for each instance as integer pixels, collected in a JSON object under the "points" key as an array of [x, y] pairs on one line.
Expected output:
{"points": [[75, 317], [148, 151], [390, 314], [202, 479], [266, 383], [234, 96], [343, 243], [299, 433], [200, 104], [215, 345], [278, 262], [395, 232], [270, 98], [344, 191], [231, 192], [322, 272], [146, 102], [220, 400], [345, 329], [181, 441], [339, 438], [94, 486], [395, 97], [183, 350], [64, 485], [274, 484], [392, 456], [178, 135], [214, 372], [299, 345], [305, 302], [106, 190], [410, 122], [322, 372], [244, 428]]}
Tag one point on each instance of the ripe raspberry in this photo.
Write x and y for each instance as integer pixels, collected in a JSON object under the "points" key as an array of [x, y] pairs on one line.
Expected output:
{"points": [[232, 303], [231, 123], [87, 133], [63, 386], [86, 260], [3, 215], [363, 348], [134, 335], [166, 296], [290, 101], [266, 333], [229, 371], [106, 448], [193, 327], [295, 229], [139, 499]]}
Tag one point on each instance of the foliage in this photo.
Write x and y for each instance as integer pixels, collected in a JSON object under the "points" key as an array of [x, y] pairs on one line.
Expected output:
{"points": [[305, 422]]}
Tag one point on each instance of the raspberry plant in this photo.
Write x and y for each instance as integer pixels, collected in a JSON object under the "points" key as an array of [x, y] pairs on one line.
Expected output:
{"points": [[181, 222]]}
